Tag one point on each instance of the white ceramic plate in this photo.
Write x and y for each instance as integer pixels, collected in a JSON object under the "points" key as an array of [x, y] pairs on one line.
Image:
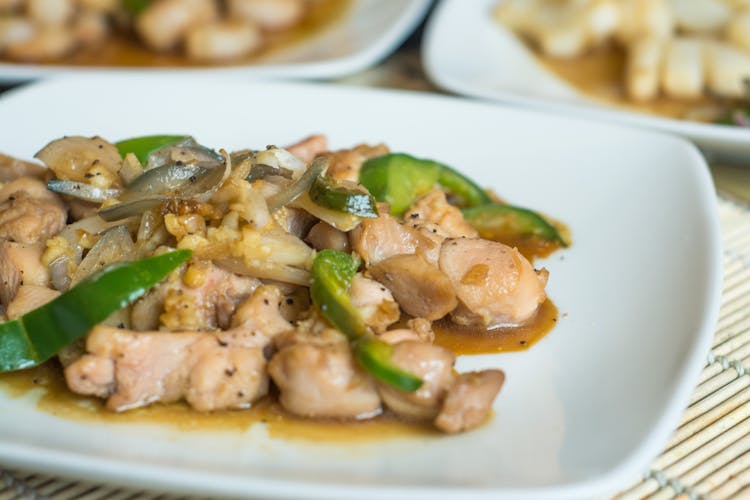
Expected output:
{"points": [[467, 52], [582, 413], [367, 32]]}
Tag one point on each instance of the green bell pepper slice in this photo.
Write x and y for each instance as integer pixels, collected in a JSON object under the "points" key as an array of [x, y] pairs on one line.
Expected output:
{"points": [[141, 147], [497, 222], [398, 179], [352, 200], [40, 334], [135, 7], [332, 273]]}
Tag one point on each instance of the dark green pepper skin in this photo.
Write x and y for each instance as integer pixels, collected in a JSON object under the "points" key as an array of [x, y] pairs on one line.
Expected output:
{"points": [[40, 334], [497, 222], [326, 193], [332, 274], [141, 147], [398, 179]]}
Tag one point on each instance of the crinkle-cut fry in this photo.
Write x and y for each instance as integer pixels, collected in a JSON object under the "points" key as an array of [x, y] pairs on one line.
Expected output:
{"points": [[644, 18], [728, 70], [643, 71], [738, 30], [683, 74], [701, 16]]}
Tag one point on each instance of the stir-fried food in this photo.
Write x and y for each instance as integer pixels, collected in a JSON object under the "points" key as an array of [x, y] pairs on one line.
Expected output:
{"points": [[159, 270], [202, 30]]}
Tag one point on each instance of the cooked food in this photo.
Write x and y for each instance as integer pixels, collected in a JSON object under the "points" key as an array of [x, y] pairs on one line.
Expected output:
{"points": [[687, 50], [202, 30], [159, 270]]}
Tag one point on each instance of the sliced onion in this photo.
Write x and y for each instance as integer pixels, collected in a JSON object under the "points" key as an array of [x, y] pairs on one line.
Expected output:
{"points": [[266, 270], [300, 186], [278, 157], [340, 220], [200, 155], [186, 182], [115, 245], [58, 273], [82, 191], [261, 171]]}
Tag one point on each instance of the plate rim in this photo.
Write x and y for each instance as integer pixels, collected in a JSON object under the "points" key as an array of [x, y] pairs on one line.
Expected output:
{"points": [[627, 468]]}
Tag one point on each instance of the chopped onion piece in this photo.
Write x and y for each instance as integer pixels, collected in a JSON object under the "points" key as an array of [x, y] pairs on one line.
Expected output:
{"points": [[192, 152], [300, 186], [266, 270]]}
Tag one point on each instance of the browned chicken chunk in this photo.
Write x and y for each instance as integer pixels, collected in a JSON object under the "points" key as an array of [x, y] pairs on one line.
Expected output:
{"points": [[469, 400], [494, 283], [323, 381], [375, 303], [20, 264], [29, 212], [377, 239], [433, 208]]}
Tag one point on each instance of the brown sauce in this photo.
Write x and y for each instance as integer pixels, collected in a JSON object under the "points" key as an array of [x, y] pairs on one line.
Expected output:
{"points": [[121, 49], [47, 383], [467, 340], [599, 75]]}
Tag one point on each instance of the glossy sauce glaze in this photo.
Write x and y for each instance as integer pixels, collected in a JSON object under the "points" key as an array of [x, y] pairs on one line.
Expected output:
{"points": [[123, 50], [599, 74]]}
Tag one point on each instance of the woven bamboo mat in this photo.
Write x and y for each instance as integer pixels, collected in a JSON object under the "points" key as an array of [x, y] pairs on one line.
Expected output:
{"points": [[708, 456]]}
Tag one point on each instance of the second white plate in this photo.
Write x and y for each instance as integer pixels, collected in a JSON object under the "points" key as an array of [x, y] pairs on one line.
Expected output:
{"points": [[467, 52]]}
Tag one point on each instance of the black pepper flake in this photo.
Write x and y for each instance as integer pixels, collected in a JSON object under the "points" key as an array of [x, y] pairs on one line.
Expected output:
{"points": [[11, 198], [88, 175], [193, 179], [121, 326], [95, 162], [289, 301], [523, 342], [240, 394], [179, 163], [414, 215], [222, 343], [265, 301], [101, 146], [230, 371]]}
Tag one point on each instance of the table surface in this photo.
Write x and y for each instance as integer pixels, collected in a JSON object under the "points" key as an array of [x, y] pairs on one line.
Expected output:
{"points": [[708, 456]]}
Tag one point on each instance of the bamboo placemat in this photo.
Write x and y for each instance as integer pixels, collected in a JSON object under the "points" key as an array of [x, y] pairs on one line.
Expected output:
{"points": [[708, 456]]}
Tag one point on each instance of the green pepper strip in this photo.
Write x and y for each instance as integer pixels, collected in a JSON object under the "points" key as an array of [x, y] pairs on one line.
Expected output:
{"points": [[398, 179], [38, 335], [326, 193], [141, 147], [494, 221], [332, 273]]}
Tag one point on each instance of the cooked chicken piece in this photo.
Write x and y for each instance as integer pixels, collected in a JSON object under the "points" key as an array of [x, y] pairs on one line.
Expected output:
{"points": [[90, 27], [50, 12], [644, 19], [434, 365], [684, 73], [434, 208], [204, 297], [13, 168], [420, 288], [644, 65], [165, 22], [700, 16], [270, 15], [494, 283], [345, 164], [728, 70], [9, 6], [377, 239], [323, 235], [318, 336], [135, 369], [44, 44], [323, 381], [374, 302], [80, 159], [258, 319], [21, 264], [469, 400], [309, 147], [29, 212], [737, 31], [28, 298], [419, 330], [15, 29], [222, 41]]}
